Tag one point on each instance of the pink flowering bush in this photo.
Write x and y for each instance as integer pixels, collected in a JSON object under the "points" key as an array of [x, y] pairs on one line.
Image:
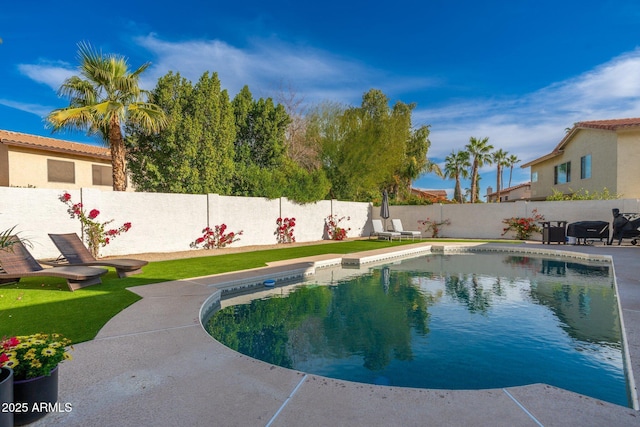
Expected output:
{"points": [[429, 225], [216, 237], [334, 231], [284, 230], [94, 232], [523, 227]]}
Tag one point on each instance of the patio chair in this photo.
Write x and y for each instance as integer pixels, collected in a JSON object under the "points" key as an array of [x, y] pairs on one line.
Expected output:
{"points": [[74, 252], [397, 226], [17, 262], [378, 230]]}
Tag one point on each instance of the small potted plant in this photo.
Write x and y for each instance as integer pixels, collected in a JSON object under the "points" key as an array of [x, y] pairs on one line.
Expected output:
{"points": [[34, 360]]}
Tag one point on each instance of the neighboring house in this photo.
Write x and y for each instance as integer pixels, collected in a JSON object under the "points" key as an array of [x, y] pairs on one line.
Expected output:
{"points": [[41, 162], [510, 194], [592, 156], [435, 196]]}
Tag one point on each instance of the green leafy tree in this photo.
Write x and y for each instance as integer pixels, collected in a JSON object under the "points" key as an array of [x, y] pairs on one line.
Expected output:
{"points": [[364, 149], [195, 152], [103, 98], [457, 166], [480, 153], [261, 128], [416, 162]]}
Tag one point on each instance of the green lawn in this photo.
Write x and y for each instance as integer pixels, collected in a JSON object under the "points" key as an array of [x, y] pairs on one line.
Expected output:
{"points": [[46, 304]]}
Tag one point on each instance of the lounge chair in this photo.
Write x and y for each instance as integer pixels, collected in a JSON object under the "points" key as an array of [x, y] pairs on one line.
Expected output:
{"points": [[378, 230], [397, 226], [74, 252], [17, 262]]}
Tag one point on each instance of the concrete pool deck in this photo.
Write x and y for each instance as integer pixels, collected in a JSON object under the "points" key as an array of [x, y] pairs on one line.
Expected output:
{"points": [[154, 364]]}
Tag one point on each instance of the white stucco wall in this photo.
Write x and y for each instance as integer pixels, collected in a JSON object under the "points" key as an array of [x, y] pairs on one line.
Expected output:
{"points": [[170, 222]]}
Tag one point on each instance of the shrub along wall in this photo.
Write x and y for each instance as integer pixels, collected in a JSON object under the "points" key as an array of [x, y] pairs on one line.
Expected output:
{"points": [[170, 222], [167, 222], [484, 220]]}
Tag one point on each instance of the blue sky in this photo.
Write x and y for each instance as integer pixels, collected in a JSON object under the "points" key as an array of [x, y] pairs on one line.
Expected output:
{"points": [[519, 72]]}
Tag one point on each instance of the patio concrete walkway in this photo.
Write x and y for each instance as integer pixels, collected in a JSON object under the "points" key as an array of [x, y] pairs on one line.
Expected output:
{"points": [[154, 365]]}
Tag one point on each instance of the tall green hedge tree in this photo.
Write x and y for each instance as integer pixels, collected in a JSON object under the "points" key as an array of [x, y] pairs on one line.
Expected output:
{"points": [[195, 153]]}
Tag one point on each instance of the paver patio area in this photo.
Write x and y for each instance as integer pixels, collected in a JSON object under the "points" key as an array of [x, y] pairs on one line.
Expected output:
{"points": [[154, 365]]}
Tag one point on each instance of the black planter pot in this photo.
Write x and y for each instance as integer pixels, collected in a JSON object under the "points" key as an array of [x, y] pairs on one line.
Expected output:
{"points": [[34, 397], [6, 397]]}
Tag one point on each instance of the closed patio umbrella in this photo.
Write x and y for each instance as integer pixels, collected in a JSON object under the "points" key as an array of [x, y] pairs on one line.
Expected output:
{"points": [[384, 208]]}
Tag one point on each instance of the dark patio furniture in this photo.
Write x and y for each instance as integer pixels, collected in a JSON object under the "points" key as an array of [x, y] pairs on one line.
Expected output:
{"points": [[553, 232], [625, 226], [588, 231], [17, 262], [74, 252]]}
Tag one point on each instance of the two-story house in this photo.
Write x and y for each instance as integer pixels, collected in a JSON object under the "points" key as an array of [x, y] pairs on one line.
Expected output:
{"points": [[593, 156]]}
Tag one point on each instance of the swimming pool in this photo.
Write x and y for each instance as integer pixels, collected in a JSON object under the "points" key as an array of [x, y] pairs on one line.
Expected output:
{"points": [[464, 321]]}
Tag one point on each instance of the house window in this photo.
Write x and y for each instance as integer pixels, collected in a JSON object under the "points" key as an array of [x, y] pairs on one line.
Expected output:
{"points": [[101, 175], [585, 167], [562, 173], [534, 176], [61, 171]]}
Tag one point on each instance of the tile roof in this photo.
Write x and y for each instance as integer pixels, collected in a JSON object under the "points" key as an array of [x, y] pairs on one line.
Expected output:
{"points": [[614, 124], [437, 194], [509, 189], [611, 124], [53, 145]]}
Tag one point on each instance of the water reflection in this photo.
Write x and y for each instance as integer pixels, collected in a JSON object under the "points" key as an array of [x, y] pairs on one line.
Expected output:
{"points": [[445, 321]]}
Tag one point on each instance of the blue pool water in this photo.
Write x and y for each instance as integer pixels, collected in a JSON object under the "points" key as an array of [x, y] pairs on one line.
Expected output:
{"points": [[464, 321]]}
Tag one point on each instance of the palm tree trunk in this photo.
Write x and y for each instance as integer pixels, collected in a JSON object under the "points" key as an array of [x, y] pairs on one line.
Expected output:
{"points": [[474, 182], [457, 193], [116, 144], [498, 182]]}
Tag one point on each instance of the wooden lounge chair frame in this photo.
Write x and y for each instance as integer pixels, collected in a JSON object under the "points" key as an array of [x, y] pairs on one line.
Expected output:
{"points": [[17, 262], [74, 252], [397, 227]]}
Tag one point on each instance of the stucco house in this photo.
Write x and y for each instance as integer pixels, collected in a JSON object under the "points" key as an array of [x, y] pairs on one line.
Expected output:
{"points": [[592, 156], [510, 194], [35, 161], [435, 196]]}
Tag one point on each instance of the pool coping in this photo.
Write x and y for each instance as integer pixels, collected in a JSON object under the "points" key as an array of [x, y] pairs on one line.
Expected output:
{"points": [[154, 361]]}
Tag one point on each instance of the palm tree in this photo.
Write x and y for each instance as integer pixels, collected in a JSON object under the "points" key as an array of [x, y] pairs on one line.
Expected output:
{"points": [[480, 150], [499, 158], [103, 98], [456, 166], [512, 159]]}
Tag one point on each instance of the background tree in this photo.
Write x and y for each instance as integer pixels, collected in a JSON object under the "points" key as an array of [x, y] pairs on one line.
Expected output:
{"points": [[457, 166], [104, 97], [513, 160], [195, 152], [302, 150], [415, 161], [480, 152], [260, 130], [499, 158], [367, 148]]}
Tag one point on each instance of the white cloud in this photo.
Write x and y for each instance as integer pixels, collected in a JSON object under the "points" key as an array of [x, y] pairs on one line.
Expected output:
{"points": [[532, 125], [528, 126], [263, 66], [37, 109], [51, 75]]}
